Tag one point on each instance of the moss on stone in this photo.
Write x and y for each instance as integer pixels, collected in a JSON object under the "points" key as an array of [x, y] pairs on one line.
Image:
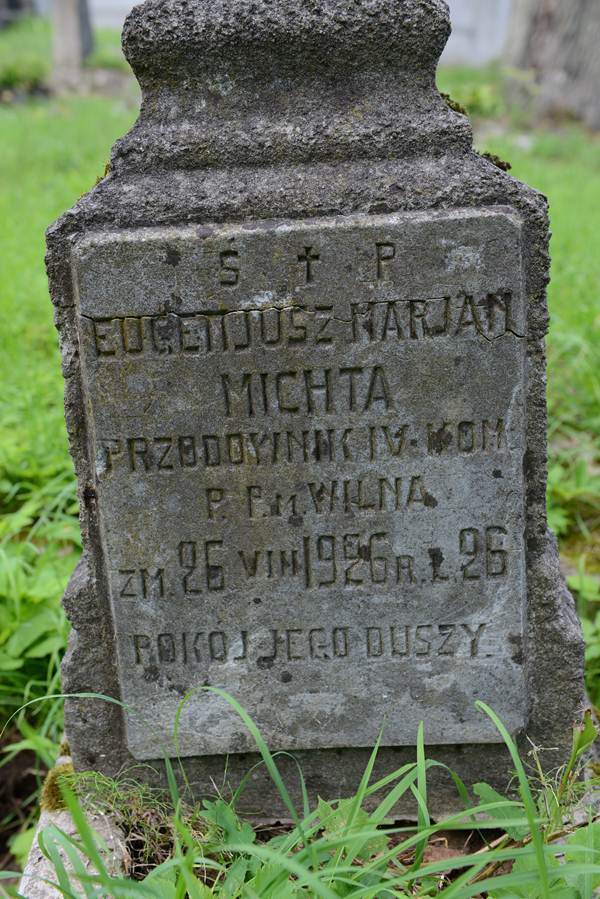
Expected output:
{"points": [[52, 798], [453, 104], [499, 163]]}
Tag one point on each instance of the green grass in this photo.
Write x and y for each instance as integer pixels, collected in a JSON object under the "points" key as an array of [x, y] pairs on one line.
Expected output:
{"points": [[478, 90], [107, 52], [26, 53], [25, 49], [53, 152], [541, 843], [39, 535]]}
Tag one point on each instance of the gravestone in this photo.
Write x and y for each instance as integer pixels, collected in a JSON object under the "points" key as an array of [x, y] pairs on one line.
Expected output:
{"points": [[302, 327]]}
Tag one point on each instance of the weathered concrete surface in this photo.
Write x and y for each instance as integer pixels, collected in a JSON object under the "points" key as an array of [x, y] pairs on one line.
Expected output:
{"points": [[309, 443], [291, 243]]}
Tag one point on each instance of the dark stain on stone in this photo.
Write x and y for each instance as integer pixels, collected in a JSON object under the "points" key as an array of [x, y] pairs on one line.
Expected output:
{"points": [[528, 463], [265, 662], [172, 256], [151, 673], [497, 473], [257, 600], [379, 206], [414, 442], [286, 677], [429, 500], [89, 495], [535, 545], [237, 743], [295, 520], [437, 558], [440, 440], [516, 642]]}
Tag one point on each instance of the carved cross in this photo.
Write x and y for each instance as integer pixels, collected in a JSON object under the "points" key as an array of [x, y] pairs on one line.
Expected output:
{"points": [[308, 257]]}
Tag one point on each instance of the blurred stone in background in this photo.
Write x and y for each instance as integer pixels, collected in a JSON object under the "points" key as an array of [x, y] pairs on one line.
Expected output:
{"points": [[73, 41], [13, 9], [479, 30], [558, 42]]}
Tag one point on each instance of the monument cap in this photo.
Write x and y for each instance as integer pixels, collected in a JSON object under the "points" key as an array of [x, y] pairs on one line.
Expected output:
{"points": [[254, 82], [165, 38]]}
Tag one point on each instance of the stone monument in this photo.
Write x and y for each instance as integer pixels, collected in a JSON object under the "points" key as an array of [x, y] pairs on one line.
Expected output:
{"points": [[302, 326]]}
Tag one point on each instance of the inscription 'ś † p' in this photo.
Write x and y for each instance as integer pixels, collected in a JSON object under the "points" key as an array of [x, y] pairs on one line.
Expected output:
{"points": [[326, 469]]}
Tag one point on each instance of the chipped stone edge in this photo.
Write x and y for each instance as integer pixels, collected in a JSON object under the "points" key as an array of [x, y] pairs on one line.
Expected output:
{"points": [[39, 874]]}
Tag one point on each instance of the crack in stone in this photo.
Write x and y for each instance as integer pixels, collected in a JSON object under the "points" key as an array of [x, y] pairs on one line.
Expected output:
{"points": [[224, 313], [504, 333]]}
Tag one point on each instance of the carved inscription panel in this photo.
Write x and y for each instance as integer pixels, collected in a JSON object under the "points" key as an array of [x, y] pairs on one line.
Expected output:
{"points": [[309, 439]]}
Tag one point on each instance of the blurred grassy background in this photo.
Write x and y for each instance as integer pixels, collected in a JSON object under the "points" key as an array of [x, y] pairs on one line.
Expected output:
{"points": [[26, 54], [54, 150]]}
